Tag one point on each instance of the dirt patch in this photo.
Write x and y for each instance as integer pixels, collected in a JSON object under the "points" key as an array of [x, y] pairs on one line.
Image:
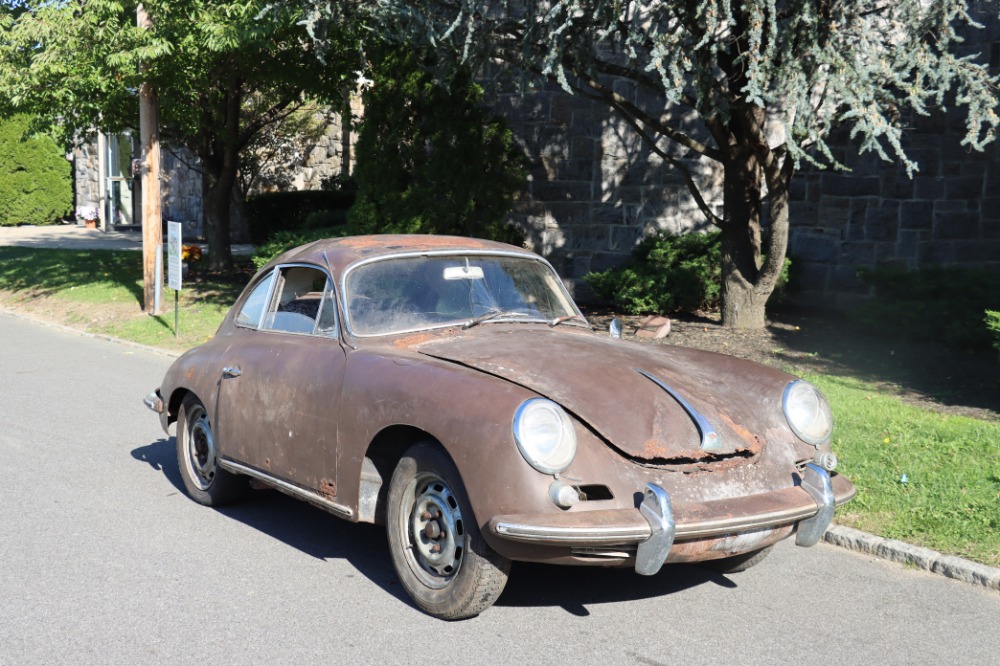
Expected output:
{"points": [[932, 376]]}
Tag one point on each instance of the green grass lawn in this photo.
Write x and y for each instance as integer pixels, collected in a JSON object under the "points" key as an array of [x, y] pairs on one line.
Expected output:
{"points": [[926, 478], [100, 291], [922, 477]]}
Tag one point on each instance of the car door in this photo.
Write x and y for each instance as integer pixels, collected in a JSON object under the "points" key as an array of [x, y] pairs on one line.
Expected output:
{"points": [[281, 384]]}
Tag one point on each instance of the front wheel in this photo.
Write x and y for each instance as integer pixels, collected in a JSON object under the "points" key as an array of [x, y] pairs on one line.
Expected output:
{"points": [[197, 457], [436, 547]]}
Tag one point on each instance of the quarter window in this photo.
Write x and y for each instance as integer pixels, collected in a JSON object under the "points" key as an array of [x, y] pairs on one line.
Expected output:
{"points": [[303, 302]]}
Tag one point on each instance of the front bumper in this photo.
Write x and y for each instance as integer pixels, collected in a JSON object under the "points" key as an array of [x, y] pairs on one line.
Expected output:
{"points": [[655, 526]]}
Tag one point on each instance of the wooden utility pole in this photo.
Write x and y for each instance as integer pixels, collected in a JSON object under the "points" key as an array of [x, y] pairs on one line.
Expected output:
{"points": [[152, 225]]}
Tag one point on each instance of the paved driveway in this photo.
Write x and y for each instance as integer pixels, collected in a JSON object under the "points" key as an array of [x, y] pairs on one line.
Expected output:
{"points": [[76, 237]]}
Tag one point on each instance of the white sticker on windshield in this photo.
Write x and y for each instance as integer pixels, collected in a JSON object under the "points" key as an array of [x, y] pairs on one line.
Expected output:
{"points": [[463, 273]]}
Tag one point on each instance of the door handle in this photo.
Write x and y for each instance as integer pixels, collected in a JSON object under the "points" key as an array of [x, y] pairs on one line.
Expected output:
{"points": [[231, 371]]}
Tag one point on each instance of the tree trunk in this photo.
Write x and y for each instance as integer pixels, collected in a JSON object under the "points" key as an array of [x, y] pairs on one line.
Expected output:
{"points": [[752, 264], [217, 204], [742, 302]]}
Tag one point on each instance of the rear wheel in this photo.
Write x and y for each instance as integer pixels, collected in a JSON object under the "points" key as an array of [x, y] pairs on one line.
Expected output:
{"points": [[436, 547], [197, 457], [739, 563]]}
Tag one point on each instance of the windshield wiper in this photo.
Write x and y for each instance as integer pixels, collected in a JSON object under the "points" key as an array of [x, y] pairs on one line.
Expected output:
{"points": [[564, 318], [492, 314]]}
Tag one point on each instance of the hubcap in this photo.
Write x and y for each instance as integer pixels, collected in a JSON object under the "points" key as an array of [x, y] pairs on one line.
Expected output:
{"points": [[200, 448], [437, 532]]}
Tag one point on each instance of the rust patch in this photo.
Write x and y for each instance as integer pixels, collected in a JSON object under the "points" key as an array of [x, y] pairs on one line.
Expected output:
{"points": [[752, 441], [189, 374], [414, 340], [267, 463], [653, 449], [327, 488]]}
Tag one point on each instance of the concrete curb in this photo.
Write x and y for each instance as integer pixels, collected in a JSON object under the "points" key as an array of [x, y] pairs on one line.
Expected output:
{"points": [[98, 336], [922, 558]]}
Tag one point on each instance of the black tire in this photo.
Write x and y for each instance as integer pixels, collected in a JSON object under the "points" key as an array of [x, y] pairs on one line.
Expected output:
{"points": [[197, 457], [738, 563], [436, 547]]}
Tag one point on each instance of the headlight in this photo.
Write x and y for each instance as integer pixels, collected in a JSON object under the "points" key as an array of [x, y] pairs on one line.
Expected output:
{"points": [[544, 435], [807, 412]]}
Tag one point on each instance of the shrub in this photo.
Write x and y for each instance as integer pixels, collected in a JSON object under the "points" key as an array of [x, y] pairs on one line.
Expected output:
{"points": [[36, 185], [938, 304], [667, 273], [324, 219], [267, 214], [993, 324], [283, 241], [429, 157]]}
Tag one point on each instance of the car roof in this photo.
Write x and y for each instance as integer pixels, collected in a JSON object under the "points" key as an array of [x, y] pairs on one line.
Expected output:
{"points": [[342, 252]]}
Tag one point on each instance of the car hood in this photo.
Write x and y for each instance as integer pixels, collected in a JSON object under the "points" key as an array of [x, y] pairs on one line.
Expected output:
{"points": [[599, 381]]}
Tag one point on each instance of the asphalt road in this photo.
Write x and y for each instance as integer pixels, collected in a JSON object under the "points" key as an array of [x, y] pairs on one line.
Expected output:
{"points": [[103, 560]]}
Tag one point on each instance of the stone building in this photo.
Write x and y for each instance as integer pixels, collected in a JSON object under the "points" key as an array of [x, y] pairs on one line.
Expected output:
{"points": [[105, 170]]}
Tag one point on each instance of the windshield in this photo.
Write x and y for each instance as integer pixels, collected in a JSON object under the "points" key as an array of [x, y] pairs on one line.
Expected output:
{"points": [[412, 293]]}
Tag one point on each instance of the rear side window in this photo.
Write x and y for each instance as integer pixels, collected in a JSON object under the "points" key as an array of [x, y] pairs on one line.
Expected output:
{"points": [[254, 305]]}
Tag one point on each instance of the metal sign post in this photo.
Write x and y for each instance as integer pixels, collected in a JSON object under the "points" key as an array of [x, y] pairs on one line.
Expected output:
{"points": [[174, 262]]}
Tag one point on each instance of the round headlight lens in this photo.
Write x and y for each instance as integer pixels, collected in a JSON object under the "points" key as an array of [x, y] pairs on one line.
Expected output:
{"points": [[808, 412], [544, 435]]}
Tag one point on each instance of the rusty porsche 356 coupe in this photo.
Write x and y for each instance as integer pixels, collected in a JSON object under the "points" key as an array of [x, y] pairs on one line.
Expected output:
{"points": [[450, 389]]}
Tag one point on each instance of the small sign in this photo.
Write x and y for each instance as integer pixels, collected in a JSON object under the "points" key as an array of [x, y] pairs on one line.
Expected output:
{"points": [[174, 255]]}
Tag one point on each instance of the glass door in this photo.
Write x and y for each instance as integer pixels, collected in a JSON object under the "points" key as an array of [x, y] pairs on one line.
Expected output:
{"points": [[120, 190]]}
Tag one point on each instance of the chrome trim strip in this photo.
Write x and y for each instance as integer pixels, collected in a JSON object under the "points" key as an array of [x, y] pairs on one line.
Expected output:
{"points": [[285, 487], [569, 535], [710, 440], [711, 528]]}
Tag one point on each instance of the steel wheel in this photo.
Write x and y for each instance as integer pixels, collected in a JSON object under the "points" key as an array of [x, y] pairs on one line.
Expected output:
{"points": [[197, 458], [200, 456], [437, 550], [436, 532]]}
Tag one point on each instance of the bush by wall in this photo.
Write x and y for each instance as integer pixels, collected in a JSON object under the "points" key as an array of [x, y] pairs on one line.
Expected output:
{"points": [[429, 157], [668, 273], [36, 184], [267, 214], [993, 325], [938, 304], [285, 240]]}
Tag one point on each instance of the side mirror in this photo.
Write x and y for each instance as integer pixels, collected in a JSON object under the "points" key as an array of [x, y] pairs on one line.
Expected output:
{"points": [[615, 328]]}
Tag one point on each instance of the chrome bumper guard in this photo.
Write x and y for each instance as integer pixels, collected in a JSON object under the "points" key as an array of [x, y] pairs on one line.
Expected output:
{"points": [[656, 509], [154, 401], [816, 481]]}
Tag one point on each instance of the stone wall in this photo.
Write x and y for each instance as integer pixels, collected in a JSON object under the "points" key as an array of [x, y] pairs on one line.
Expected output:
{"points": [[86, 180], [595, 189], [947, 214], [876, 217]]}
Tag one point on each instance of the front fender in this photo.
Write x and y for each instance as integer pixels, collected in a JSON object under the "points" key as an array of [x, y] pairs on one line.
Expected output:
{"points": [[468, 412]]}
